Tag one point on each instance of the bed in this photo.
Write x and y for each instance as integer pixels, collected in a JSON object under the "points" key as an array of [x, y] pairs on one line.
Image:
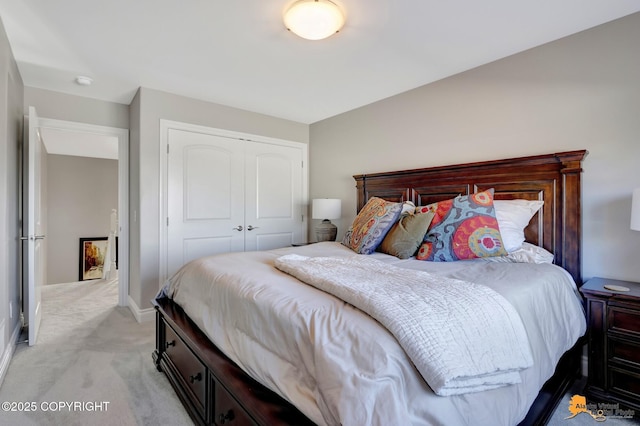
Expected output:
{"points": [[238, 381]]}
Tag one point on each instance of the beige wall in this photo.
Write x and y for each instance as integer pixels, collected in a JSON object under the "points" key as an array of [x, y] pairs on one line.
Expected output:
{"points": [[81, 192], [575, 93], [61, 106], [150, 107], [11, 108], [134, 198]]}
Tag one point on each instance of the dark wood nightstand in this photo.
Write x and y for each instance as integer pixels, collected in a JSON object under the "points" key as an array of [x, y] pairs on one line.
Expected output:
{"points": [[613, 319]]}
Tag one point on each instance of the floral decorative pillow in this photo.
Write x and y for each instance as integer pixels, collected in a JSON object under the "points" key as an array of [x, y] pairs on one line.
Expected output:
{"points": [[371, 225], [462, 228]]}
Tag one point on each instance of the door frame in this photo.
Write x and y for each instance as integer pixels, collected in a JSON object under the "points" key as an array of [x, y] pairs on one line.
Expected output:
{"points": [[165, 126], [123, 191]]}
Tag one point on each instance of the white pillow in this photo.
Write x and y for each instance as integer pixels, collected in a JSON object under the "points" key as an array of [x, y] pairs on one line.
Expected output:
{"points": [[530, 253], [513, 216], [408, 207]]}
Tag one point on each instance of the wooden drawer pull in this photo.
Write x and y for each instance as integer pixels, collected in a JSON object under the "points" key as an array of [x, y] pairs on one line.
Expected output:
{"points": [[168, 344], [195, 378], [223, 418]]}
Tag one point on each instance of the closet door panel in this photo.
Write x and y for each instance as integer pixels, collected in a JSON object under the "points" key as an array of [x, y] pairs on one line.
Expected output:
{"points": [[274, 191], [274, 196], [205, 196], [207, 174]]}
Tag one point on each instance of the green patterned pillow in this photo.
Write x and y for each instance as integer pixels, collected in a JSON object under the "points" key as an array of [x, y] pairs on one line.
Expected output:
{"points": [[406, 235], [371, 225]]}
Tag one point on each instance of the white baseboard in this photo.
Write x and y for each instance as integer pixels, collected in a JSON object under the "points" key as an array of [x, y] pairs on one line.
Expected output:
{"points": [[141, 315], [7, 354]]}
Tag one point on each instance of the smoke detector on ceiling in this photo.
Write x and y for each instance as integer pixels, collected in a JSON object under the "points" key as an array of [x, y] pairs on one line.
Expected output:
{"points": [[84, 81]]}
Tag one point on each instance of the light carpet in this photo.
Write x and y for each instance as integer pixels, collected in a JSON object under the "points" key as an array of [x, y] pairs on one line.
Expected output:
{"points": [[89, 352]]}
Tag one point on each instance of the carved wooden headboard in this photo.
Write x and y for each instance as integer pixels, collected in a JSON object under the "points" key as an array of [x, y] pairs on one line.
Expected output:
{"points": [[553, 178]]}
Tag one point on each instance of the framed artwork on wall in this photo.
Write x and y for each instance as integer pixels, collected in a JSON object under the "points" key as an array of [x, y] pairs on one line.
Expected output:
{"points": [[93, 252]]}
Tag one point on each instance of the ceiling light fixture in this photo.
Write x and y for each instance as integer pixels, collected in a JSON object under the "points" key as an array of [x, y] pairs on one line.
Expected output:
{"points": [[84, 81], [314, 19]]}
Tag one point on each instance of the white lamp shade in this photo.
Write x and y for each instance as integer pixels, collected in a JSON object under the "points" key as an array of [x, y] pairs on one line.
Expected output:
{"points": [[326, 208], [314, 19], [635, 210]]}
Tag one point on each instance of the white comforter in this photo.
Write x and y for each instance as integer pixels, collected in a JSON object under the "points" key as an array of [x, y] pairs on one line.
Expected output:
{"points": [[461, 336], [338, 365]]}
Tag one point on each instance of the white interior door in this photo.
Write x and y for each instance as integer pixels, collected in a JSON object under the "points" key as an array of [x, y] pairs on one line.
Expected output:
{"points": [[205, 196], [33, 227], [274, 196]]}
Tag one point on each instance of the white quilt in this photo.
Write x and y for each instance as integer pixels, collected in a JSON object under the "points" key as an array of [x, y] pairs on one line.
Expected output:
{"points": [[462, 337], [338, 365]]}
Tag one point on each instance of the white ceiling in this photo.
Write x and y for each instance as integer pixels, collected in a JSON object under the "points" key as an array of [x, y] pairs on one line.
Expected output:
{"points": [[238, 53]]}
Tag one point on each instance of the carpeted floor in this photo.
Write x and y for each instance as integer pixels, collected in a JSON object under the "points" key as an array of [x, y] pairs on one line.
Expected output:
{"points": [[91, 365]]}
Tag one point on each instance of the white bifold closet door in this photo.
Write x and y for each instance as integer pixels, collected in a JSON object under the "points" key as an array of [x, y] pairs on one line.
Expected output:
{"points": [[226, 195], [273, 196]]}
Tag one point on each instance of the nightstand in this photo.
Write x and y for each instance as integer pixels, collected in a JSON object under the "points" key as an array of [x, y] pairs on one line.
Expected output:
{"points": [[613, 320]]}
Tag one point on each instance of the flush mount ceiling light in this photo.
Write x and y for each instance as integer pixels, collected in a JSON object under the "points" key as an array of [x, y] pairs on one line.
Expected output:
{"points": [[314, 19]]}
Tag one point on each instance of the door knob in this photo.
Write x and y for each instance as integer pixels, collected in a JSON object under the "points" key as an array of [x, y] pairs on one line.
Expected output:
{"points": [[251, 228], [238, 228]]}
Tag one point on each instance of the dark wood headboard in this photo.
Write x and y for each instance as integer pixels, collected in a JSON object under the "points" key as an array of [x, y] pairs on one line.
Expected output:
{"points": [[553, 178]]}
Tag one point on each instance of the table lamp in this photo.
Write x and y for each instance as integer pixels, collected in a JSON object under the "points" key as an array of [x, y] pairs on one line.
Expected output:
{"points": [[635, 210], [326, 209]]}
